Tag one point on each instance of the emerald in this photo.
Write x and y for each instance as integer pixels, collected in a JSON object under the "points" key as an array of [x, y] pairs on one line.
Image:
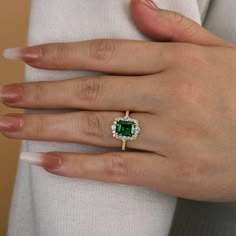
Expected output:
{"points": [[125, 128]]}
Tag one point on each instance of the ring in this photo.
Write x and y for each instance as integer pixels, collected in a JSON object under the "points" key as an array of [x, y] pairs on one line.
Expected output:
{"points": [[125, 128]]}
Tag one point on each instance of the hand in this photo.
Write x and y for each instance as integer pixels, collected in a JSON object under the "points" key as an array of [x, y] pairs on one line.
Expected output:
{"points": [[182, 92]]}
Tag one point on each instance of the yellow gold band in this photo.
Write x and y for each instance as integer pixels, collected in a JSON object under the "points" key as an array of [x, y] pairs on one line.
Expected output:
{"points": [[124, 142]]}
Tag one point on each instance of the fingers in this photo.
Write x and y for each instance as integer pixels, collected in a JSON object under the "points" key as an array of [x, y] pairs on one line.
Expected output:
{"points": [[167, 25], [92, 128], [132, 168], [104, 55], [113, 93]]}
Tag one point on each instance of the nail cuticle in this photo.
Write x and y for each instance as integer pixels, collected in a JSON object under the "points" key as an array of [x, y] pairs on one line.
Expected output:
{"points": [[31, 54]]}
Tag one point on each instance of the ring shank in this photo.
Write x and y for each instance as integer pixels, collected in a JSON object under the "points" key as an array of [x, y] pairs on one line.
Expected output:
{"points": [[123, 145], [124, 142]]}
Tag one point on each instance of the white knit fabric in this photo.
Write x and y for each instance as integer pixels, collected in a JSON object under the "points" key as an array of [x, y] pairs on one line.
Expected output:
{"points": [[203, 8], [47, 205]]}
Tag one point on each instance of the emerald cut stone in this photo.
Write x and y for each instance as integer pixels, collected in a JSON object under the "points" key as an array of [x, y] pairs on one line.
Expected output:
{"points": [[125, 128]]}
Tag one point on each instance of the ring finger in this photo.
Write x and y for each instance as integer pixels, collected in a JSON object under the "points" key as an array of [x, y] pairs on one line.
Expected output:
{"points": [[83, 127]]}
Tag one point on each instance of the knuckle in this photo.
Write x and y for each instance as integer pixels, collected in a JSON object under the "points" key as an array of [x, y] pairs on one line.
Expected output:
{"points": [[116, 167], [58, 52], [188, 91], [197, 56], [40, 126], [179, 54], [101, 50], [194, 55], [192, 174], [54, 52], [188, 173], [88, 89], [91, 125], [40, 93], [178, 18]]}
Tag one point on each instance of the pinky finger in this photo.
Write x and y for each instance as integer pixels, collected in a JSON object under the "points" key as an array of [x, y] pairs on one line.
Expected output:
{"points": [[131, 168]]}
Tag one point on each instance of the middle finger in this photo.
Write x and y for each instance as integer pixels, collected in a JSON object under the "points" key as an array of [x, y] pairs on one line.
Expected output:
{"points": [[83, 127]]}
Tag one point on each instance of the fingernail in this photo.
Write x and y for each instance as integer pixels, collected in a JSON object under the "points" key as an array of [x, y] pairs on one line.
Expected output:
{"points": [[12, 53], [27, 54], [150, 4], [10, 123], [44, 160], [10, 93]]}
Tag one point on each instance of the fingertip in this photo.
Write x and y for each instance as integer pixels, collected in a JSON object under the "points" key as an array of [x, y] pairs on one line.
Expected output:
{"points": [[138, 8], [26, 54], [148, 19], [144, 5], [49, 161], [12, 53]]}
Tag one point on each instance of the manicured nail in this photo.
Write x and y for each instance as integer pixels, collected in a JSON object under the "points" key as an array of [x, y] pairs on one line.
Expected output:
{"points": [[44, 160], [150, 4], [12, 53], [10, 93], [10, 123], [27, 54]]}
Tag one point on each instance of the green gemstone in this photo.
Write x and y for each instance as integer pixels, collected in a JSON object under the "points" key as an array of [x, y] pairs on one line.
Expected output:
{"points": [[125, 128]]}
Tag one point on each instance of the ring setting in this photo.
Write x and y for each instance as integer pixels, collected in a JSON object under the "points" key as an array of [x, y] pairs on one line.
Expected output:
{"points": [[125, 128]]}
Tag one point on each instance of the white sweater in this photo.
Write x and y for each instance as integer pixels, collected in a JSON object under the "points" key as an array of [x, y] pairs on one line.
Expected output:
{"points": [[47, 205]]}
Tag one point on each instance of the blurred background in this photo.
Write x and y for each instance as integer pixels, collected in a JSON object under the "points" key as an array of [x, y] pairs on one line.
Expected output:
{"points": [[13, 25]]}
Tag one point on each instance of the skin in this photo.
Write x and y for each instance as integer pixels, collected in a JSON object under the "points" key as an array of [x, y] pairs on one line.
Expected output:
{"points": [[183, 94]]}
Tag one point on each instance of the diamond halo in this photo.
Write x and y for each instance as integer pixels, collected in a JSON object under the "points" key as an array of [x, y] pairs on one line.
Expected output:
{"points": [[125, 128]]}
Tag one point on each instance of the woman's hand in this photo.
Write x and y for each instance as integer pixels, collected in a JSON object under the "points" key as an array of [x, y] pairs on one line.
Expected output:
{"points": [[182, 92]]}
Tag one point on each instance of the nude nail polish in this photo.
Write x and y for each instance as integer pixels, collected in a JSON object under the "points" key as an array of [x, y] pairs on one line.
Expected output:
{"points": [[45, 160], [10, 93], [12, 53], [27, 54], [10, 123]]}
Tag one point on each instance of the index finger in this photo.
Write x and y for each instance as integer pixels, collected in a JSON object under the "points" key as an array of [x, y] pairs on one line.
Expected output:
{"points": [[130, 57]]}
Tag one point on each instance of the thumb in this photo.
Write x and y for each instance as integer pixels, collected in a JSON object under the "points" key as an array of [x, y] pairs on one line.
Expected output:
{"points": [[164, 25]]}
